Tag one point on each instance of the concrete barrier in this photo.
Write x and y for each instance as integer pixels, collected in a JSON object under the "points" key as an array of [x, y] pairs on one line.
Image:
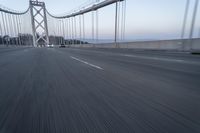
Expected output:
{"points": [[175, 45]]}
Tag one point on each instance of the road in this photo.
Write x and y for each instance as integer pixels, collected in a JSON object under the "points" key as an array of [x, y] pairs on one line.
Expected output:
{"points": [[52, 90]]}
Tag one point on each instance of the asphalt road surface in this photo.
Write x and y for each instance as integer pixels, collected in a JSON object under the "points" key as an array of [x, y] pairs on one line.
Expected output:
{"points": [[52, 90]]}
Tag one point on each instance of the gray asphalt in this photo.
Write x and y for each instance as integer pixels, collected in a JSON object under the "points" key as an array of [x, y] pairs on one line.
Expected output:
{"points": [[52, 90]]}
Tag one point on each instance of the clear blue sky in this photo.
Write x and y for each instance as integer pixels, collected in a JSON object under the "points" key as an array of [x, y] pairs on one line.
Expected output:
{"points": [[146, 19]]}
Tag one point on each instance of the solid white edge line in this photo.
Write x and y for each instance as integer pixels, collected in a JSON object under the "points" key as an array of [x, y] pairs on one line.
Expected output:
{"points": [[92, 65]]}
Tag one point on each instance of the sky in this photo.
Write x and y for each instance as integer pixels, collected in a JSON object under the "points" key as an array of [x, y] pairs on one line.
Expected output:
{"points": [[145, 19]]}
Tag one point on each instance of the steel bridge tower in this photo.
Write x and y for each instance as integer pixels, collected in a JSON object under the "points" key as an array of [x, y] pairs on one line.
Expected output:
{"points": [[39, 23]]}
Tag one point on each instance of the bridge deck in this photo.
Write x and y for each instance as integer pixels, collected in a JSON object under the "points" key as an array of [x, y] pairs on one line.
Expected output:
{"points": [[92, 90]]}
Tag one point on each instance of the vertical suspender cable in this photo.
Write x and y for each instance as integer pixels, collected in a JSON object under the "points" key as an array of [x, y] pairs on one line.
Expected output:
{"points": [[122, 20], [69, 27], [116, 18], [6, 22], [53, 32], [59, 27], [97, 26], [60, 31], [17, 24], [75, 32], [124, 25], [66, 29], [93, 28], [15, 29], [20, 29], [185, 18], [1, 29], [193, 19], [80, 29], [83, 28], [67, 24], [72, 25], [193, 22], [4, 26], [63, 26], [11, 28], [56, 31]]}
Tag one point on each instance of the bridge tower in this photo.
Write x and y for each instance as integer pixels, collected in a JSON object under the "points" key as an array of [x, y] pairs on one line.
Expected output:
{"points": [[39, 23]]}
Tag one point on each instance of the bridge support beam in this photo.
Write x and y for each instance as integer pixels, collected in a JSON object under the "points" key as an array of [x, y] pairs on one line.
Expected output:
{"points": [[38, 9]]}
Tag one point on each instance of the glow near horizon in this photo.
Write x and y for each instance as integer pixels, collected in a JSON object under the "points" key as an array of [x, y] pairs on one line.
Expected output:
{"points": [[145, 19]]}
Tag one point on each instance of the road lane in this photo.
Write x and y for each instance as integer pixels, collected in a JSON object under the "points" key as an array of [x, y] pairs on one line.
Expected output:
{"points": [[45, 90]]}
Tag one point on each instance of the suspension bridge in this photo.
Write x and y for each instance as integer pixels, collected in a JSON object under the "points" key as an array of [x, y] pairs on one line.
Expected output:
{"points": [[37, 27], [90, 86]]}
